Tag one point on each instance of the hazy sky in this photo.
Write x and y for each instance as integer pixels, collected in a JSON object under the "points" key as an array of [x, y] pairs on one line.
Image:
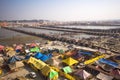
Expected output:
{"points": [[61, 10]]}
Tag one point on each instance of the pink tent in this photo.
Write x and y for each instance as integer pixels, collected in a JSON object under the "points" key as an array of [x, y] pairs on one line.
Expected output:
{"points": [[18, 47], [83, 74], [33, 44], [1, 47]]}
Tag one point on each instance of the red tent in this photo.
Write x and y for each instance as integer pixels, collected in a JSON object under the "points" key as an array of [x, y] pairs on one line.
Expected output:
{"points": [[33, 44], [1, 47]]}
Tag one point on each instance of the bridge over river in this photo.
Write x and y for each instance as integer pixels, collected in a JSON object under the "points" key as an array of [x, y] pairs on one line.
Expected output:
{"points": [[64, 39]]}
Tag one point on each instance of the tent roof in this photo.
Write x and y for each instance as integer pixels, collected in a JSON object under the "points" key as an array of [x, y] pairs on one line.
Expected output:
{"points": [[33, 44], [1, 47], [104, 77], [67, 69], [38, 55], [83, 74], [70, 61], [53, 74], [45, 70], [35, 49], [111, 63]]}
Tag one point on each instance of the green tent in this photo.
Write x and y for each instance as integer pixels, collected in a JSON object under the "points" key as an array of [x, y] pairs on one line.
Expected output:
{"points": [[35, 49], [53, 74], [67, 69], [61, 51]]}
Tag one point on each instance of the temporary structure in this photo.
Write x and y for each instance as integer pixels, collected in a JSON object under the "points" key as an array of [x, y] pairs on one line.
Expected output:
{"points": [[67, 69], [1, 47], [111, 63], [104, 77], [83, 74], [13, 59], [33, 44], [70, 61], [38, 55], [11, 53], [35, 49]]}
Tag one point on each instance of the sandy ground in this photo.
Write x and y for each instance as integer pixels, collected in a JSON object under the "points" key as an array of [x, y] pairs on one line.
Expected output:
{"points": [[21, 39], [22, 72]]}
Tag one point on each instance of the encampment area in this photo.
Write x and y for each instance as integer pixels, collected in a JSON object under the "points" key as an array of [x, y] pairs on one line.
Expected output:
{"points": [[54, 60]]}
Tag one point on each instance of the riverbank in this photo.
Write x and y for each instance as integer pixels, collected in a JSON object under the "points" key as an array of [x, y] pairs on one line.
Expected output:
{"points": [[21, 40]]}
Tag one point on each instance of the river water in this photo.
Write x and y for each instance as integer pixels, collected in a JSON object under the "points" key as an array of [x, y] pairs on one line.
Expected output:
{"points": [[8, 34]]}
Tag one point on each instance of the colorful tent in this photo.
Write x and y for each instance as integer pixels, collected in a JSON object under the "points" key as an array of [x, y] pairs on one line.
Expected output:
{"points": [[70, 53], [67, 69], [37, 63], [45, 57], [14, 59], [85, 53], [46, 70], [53, 75], [9, 49], [70, 61], [35, 49], [33, 44], [111, 63], [18, 48], [11, 53], [1, 47], [38, 55], [83, 74]]}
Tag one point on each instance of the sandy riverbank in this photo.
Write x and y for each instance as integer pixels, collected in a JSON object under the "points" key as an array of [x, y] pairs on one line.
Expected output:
{"points": [[21, 40]]}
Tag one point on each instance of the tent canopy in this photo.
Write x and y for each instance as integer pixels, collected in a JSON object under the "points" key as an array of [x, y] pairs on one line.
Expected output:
{"points": [[35, 49], [38, 55], [13, 59], [105, 61], [1, 47], [70, 61], [67, 69], [83, 74], [45, 57], [53, 74], [33, 44], [85, 53]]}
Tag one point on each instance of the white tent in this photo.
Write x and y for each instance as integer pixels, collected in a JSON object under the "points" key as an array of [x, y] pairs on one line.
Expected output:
{"points": [[83, 74], [104, 76]]}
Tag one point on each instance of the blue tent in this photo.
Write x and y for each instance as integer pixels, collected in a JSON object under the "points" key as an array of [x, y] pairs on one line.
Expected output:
{"points": [[83, 52], [45, 57], [105, 61], [38, 55], [13, 59]]}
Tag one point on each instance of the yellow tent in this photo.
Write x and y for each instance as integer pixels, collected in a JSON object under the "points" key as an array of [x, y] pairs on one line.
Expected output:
{"points": [[70, 61], [45, 70], [9, 49], [37, 63]]}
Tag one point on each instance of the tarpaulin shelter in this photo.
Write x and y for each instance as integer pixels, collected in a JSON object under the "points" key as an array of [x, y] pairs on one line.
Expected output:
{"points": [[11, 53], [102, 76], [18, 48], [53, 75], [70, 53], [37, 63], [70, 61], [8, 49], [33, 45], [83, 74], [17, 64], [67, 69], [13, 59], [35, 49], [45, 57], [84, 52], [1, 47], [38, 55], [111, 63]]}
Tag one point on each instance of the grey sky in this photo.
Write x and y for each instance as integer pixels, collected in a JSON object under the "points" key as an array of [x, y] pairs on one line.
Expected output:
{"points": [[61, 10]]}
